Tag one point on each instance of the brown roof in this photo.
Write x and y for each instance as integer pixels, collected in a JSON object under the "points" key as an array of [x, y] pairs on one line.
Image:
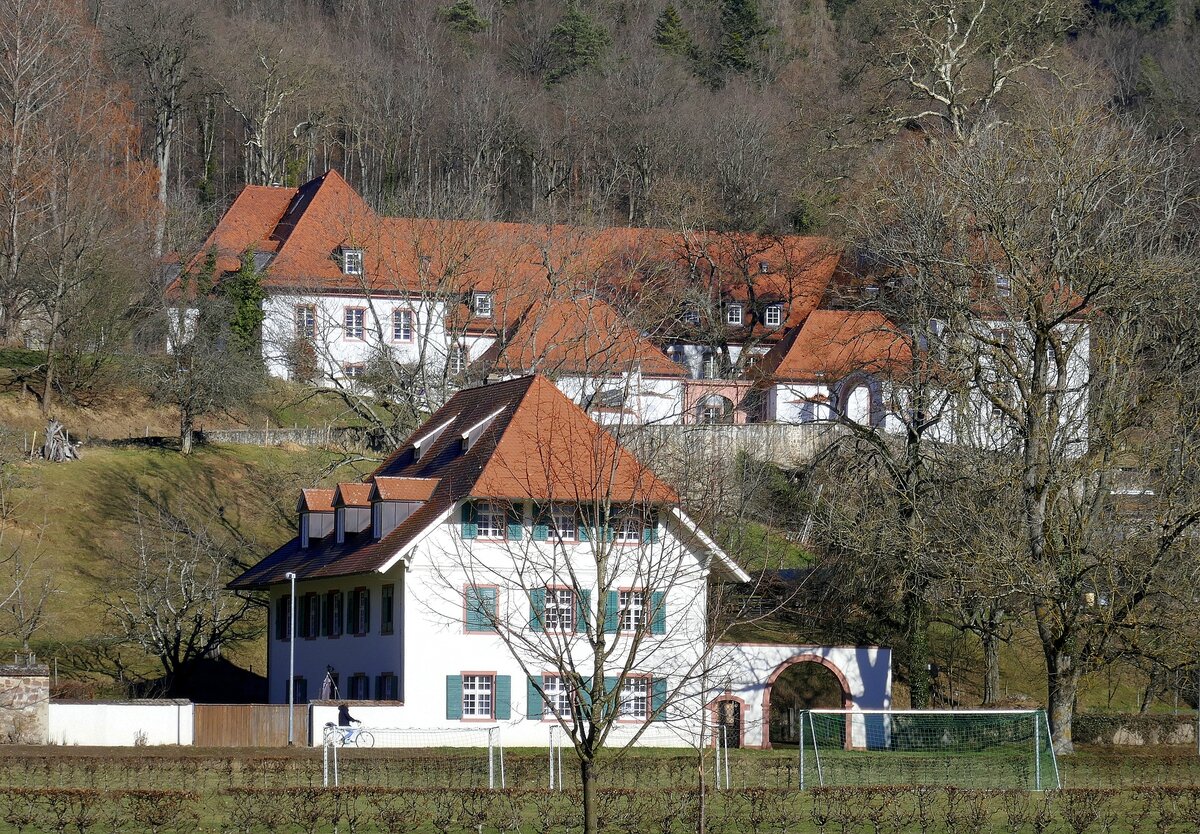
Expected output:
{"points": [[579, 335], [303, 229], [538, 445], [316, 500], [352, 495], [831, 344], [404, 489]]}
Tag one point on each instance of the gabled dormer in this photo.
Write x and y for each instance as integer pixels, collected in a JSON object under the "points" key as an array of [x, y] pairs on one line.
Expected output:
{"points": [[352, 510], [393, 500], [315, 509]]}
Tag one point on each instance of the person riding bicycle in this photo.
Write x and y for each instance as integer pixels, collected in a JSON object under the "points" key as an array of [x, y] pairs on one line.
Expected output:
{"points": [[346, 722]]}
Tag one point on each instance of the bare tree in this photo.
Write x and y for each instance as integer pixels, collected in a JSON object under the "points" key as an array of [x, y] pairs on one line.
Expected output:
{"points": [[168, 595]]}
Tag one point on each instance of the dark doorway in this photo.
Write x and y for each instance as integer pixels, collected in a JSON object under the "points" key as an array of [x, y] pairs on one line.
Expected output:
{"points": [[803, 685], [729, 722]]}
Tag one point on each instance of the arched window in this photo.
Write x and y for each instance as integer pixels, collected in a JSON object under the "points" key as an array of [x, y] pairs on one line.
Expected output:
{"points": [[714, 409]]}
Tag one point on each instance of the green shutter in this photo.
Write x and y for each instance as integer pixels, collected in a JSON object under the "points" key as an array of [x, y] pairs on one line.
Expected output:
{"points": [[453, 697], [481, 609], [582, 531], [612, 613], [583, 609], [537, 609], [585, 698], [612, 698], [366, 615], [658, 698], [470, 529], [503, 700], [541, 524], [535, 706], [650, 531], [658, 613], [516, 524]]}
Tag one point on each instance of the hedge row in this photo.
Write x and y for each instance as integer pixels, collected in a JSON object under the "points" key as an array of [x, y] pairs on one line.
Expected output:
{"points": [[359, 810]]}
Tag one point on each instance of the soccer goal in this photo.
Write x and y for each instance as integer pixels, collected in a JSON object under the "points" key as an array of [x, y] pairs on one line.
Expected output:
{"points": [[463, 756], [965, 748]]}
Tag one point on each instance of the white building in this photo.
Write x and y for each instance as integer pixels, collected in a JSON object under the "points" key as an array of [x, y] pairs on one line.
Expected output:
{"points": [[477, 575]]}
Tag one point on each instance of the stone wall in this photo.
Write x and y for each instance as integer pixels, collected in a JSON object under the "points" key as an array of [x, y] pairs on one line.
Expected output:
{"points": [[24, 704]]}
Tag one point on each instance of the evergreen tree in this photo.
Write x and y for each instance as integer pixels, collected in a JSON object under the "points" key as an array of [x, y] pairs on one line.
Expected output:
{"points": [[576, 43], [1140, 14], [462, 17], [244, 293], [671, 36], [743, 33]]}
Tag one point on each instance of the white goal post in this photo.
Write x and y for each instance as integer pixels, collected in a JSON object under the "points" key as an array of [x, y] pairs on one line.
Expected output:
{"points": [[982, 748], [338, 743]]}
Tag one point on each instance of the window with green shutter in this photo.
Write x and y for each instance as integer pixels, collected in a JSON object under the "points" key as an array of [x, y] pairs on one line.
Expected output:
{"points": [[583, 610], [537, 609], [658, 698], [612, 612], [541, 523], [534, 705], [503, 708], [480, 609]]}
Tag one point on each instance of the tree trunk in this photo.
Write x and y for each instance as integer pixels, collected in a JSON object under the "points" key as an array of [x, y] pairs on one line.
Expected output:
{"points": [[186, 430], [991, 666], [917, 653], [587, 773], [1062, 685]]}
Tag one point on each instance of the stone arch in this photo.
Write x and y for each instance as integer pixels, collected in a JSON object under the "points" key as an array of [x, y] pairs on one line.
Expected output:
{"points": [[860, 398], [807, 657], [714, 707], [714, 405]]}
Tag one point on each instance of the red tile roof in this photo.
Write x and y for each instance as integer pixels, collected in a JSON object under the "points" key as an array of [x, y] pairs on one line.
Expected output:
{"points": [[518, 263], [538, 445], [352, 495], [831, 344], [403, 489], [316, 500], [577, 336]]}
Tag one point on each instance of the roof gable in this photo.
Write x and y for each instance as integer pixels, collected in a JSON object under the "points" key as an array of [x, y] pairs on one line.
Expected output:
{"points": [[832, 344]]}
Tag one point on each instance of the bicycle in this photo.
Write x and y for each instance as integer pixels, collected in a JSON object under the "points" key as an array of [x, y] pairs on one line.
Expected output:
{"points": [[341, 736]]}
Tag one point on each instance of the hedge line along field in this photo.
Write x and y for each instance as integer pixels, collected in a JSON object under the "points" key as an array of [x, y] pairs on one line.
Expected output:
{"points": [[646, 792]]}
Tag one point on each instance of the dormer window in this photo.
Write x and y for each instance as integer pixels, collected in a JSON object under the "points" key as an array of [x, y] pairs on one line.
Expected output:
{"points": [[764, 267], [481, 305], [733, 315], [352, 262], [773, 315], [691, 316]]}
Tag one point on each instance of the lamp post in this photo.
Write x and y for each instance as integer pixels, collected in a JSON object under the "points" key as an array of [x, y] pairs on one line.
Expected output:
{"points": [[292, 662]]}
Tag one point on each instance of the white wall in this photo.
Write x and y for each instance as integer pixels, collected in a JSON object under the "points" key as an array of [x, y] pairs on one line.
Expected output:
{"points": [[121, 724]]}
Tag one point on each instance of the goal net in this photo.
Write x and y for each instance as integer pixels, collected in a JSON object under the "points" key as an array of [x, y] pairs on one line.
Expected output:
{"points": [[456, 757], [965, 748]]}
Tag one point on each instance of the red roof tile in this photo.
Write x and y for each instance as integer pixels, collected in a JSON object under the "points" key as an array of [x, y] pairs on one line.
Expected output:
{"points": [[403, 489], [831, 344], [352, 495], [316, 500]]}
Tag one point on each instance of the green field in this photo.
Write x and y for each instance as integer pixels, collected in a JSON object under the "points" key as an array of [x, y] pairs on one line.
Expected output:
{"points": [[174, 789]]}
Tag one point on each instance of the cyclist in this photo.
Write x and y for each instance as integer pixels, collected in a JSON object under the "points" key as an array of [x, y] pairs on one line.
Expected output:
{"points": [[346, 723]]}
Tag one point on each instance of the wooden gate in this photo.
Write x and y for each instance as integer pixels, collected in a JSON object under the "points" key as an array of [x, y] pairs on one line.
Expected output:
{"points": [[248, 725]]}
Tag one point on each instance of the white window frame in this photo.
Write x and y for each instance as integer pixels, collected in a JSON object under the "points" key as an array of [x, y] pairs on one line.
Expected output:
{"points": [[628, 529], [306, 328], [773, 315], [691, 316], [710, 365], [712, 415], [734, 315], [354, 371], [631, 605], [635, 698], [404, 320], [456, 359], [478, 696], [558, 611], [352, 329], [564, 522], [493, 530], [558, 699], [1003, 286], [481, 305], [352, 262]]}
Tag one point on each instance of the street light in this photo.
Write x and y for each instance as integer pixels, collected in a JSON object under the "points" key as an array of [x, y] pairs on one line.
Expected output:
{"points": [[292, 662]]}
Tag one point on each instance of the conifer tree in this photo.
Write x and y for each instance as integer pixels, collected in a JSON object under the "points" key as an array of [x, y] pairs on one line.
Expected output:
{"points": [[576, 43], [743, 33], [463, 18], [671, 36], [245, 295]]}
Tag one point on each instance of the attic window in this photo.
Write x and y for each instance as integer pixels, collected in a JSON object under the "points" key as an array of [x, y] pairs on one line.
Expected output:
{"points": [[1003, 286], [422, 444], [870, 292], [764, 267], [352, 262], [472, 435], [691, 315], [733, 314], [481, 305], [773, 316]]}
